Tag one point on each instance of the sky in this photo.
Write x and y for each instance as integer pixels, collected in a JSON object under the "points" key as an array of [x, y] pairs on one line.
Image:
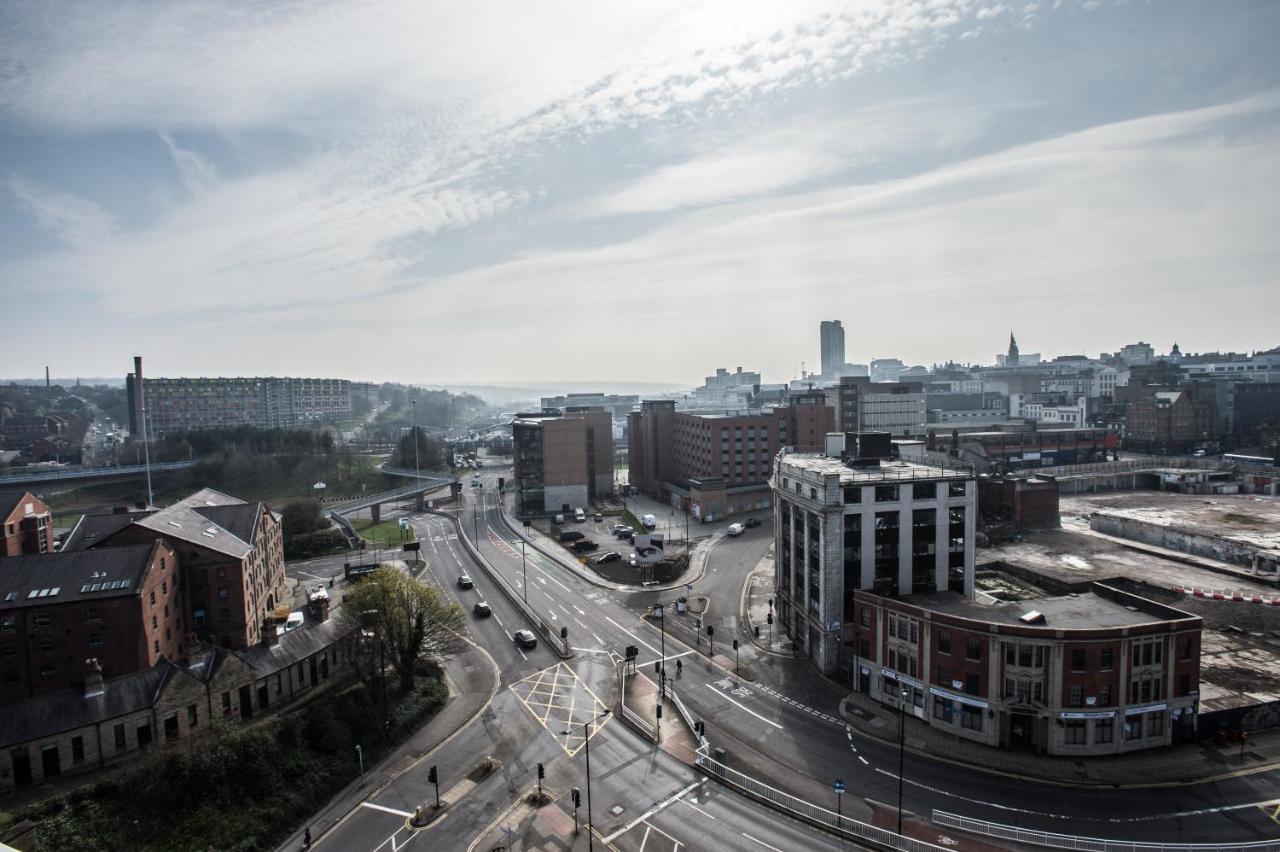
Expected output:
{"points": [[516, 193]]}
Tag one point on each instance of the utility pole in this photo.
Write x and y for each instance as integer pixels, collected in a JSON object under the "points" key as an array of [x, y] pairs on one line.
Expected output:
{"points": [[417, 471]]}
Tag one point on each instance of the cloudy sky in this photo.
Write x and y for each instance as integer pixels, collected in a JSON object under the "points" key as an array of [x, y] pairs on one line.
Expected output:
{"points": [[508, 192]]}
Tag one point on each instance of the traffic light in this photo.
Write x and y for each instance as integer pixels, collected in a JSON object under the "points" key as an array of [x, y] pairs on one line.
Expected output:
{"points": [[771, 618], [431, 776], [711, 631], [542, 772], [658, 708], [770, 603], [735, 644], [577, 797]]}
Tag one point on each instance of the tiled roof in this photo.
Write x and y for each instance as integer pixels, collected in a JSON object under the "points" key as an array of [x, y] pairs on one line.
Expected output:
{"points": [[70, 709], [92, 530], [52, 578]]}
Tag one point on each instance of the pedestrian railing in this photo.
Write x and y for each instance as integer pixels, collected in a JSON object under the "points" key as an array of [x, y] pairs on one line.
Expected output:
{"points": [[1087, 844], [634, 718]]}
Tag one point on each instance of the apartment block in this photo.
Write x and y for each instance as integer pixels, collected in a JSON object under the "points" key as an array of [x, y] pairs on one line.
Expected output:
{"points": [[562, 458]]}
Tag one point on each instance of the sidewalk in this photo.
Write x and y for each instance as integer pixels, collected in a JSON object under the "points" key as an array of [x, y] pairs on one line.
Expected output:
{"points": [[527, 826], [1181, 764], [473, 679], [772, 639]]}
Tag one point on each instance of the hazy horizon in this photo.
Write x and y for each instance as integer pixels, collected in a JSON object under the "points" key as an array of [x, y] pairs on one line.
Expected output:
{"points": [[492, 194]]}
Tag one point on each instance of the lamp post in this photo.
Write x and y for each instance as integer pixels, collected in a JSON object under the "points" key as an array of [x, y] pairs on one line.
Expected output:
{"points": [[417, 471], [524, 573], [586, 743], [660, 610], [902, 749]]}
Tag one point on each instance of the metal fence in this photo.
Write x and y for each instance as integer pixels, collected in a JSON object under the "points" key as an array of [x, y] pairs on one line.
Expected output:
{"points": [[1087, 844], [49, 475]]}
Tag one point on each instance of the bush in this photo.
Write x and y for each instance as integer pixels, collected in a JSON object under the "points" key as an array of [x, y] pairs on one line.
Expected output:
{"points": [[315, 544]]}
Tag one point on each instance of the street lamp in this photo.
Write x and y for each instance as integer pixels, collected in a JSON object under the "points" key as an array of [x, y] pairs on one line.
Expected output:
{"points": [[586, 742], [660, 610], [524, 573], [417, 471], [902, 748]]}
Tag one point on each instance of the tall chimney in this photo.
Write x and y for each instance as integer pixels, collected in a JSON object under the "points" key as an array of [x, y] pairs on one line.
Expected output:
{"points": [[47, 383]]}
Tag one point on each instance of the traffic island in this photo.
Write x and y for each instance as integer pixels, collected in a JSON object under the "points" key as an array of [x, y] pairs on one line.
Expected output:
{"points": [[429, 814], [529, 825]]}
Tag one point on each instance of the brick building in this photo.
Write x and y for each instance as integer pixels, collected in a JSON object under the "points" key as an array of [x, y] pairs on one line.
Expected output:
{"points": [[1171, 421], [1090, 673], [718, 464], [26, 522], [119, 605], [231, 556], [562, 459], [898, 408]]}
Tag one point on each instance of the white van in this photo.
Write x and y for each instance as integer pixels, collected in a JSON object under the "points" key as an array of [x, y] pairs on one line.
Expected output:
{"points": [[559, 519], [579, 515], [649, 521]]}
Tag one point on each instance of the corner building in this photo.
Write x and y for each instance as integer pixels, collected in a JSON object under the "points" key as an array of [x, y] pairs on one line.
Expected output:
{"points": [[875, 581]]}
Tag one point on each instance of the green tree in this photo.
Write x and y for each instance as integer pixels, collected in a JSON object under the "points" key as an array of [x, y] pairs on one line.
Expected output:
{"points": [[301, 517], [402, 621]]}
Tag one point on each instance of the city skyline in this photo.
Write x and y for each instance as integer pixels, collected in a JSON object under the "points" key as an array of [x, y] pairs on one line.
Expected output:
{"points": [[214, 194]]}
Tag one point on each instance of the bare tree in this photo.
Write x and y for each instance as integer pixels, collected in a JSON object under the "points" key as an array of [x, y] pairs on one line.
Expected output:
{"points": [[402, 620]]}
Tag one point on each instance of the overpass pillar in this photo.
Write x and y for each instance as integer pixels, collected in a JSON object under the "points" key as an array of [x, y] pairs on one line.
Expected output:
{"points": [[375, 512], [419, 501]]}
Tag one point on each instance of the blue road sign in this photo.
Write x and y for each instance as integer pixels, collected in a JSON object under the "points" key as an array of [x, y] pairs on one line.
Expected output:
{"points": [[839, 785]]}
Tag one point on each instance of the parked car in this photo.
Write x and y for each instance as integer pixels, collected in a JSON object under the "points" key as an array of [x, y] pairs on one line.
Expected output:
{"points": [[475, 482], [584, 546], [567, 536], [465, 582], [609, 556], [649, 521], [736, 529], [579, 515], [619, 527], [752, 523], [482, 609], [525, 638], [628, 535], [598, 517], [559, 519]]}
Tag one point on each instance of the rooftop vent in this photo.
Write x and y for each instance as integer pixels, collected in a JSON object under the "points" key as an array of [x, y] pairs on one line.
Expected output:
{"points": [[1035, 616]]}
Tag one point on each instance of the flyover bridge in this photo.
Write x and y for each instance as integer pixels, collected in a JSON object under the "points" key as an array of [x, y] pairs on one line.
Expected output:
{"points": [[39, 475]]}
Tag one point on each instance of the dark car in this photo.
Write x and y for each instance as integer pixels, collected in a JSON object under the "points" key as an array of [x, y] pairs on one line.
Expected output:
{"points": [[611, 556], [525, 638], [482, 609], [465, 582], [585, 546], [617, 528], [753, 522], [570, 535], [628, 534]]}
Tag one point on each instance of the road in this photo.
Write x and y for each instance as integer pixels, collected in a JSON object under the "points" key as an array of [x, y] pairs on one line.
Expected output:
{"points": [[783, 726]]}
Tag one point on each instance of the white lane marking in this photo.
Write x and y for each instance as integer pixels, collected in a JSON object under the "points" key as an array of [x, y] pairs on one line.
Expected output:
{"points": [[583, 626], [712, 687], [645, 839], [599, 641], [562, 609], [696, 808], [653, 810], [580, 610], [761, 842], [518, 648], [499, 620], [864, 760], [386, 809], [632, 635]]}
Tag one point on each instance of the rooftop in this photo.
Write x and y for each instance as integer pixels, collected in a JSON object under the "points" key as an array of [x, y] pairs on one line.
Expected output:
{"points": [[1248, 518], [52, 578], [887, 470], [1083, 611]]}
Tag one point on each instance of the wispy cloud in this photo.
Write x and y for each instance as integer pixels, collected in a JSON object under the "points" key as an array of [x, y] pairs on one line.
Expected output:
{"points": [[76, 221]]}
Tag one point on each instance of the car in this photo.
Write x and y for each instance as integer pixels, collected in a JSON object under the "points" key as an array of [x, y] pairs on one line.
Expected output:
{"points": [[570, 535], [617, 528], [649, 521], [482, 610], [627, 535], [610, 556], [752, 523], [465, 582], [584, 546], [525, 638], [559, 519], [475, 482], [736, 529], [598, 517], [579, 515], [1198, 454]]}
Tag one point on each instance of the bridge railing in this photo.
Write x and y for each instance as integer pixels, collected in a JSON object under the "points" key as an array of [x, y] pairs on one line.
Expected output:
{"points": [[1088, 844], [54, 474]]}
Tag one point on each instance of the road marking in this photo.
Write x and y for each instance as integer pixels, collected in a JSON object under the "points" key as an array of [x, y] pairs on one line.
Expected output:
{"points": [[761, 842], [583, 626], [632, 635], [712, 687], [864, 760], [696, 808], [672, 799], [499, 620], [599, 641], [386, 809]]}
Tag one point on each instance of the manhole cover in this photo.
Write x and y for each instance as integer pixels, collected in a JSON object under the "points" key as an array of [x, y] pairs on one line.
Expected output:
{"points": [[616, 810]]}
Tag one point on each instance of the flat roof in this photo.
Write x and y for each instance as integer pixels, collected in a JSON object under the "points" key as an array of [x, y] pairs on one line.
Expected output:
{"points": [[1083, 611], [886, 470]]}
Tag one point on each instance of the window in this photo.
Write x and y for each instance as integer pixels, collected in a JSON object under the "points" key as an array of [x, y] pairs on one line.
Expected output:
{"points": [[224, 614], [1155, 724], [1104, 730], [95, 639], [973, 649], [942, 709], [972, 684], [153, 597], [1076, 698], [44, 644], [1104, 695], [915, 628], [886, 493], [893, 625], [226, 703], [1075, 732], [866, 616], [171, 727], [944, 642], [924, 491], [1184, 684], [1107, 660], [970, 717], [41, 620], [1133, 727], [1077, 659], [77, 749], [120, 741], [1184, 648], [852, 493], [193, 715], [8, 624], [956, 489]]}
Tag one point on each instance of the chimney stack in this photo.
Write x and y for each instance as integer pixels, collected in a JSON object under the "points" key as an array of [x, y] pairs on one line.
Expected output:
{"points": [[47, 383], [92, 678]]}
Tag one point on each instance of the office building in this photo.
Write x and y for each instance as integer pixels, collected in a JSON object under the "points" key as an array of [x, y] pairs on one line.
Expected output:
{"points": [[832, 341], [875, 581], [209, 403], [619, 405], [886, 369], [898, 408], [563, 459]]}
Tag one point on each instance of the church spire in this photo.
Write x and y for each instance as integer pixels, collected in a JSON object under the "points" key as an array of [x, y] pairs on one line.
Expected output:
{"points": [[1012, 358]]}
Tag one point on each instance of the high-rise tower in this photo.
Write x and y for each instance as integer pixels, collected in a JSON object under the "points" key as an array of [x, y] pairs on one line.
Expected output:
{"points": [[832, 347]]}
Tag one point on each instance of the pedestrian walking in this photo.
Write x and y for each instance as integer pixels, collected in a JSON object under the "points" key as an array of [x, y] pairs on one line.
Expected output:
{"points": [[679, 667], [306, 838]]}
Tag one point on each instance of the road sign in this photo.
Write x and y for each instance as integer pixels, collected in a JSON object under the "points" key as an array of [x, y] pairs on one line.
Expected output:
{"points": [[839, 785]]}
